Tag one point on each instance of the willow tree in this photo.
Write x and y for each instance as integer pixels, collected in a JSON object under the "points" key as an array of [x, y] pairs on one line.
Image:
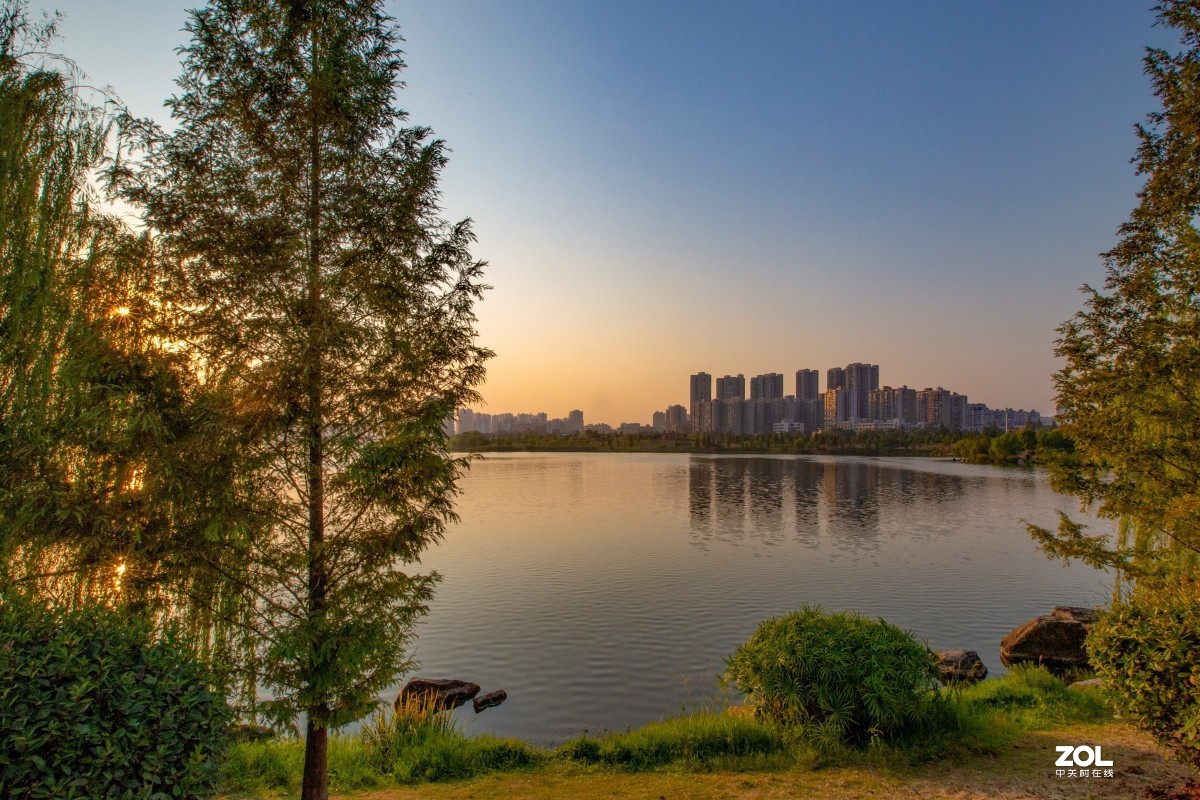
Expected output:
{"points": [[1129, 391], [318, 284], [92, 409]]}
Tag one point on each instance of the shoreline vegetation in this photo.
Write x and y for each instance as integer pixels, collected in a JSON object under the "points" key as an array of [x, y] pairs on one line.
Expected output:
{"points": [[1002, 743], [1023, 447]]}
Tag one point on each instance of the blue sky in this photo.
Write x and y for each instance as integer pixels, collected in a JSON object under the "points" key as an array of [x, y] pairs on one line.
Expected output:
{"points": [[667, 187]]}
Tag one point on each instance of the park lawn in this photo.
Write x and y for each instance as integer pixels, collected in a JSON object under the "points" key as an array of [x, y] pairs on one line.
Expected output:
{"points": [[1025, 770]]}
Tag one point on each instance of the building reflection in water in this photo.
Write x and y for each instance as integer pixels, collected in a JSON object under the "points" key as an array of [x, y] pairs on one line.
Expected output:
{"points": [[767, 501]]}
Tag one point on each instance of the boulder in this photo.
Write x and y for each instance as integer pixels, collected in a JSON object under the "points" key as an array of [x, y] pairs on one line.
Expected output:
{"points": [[488, 700], [1055, 640], [442, 694], [1085, 616], [960, 666]]}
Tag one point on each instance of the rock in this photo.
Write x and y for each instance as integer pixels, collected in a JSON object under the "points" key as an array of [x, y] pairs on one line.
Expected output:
{"points": [[441, 693], [1088, 684], [1086, 616], [960, 666], [1055, 640], [488, 700]]}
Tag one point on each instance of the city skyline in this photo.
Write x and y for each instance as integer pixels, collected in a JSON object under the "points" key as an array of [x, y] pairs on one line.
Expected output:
{"points": [[861, 397], [731, 189]]}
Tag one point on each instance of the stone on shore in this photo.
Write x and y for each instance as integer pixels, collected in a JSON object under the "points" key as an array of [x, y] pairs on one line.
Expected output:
{"points": [[960, 667], [442, 694], [1055, 640]]}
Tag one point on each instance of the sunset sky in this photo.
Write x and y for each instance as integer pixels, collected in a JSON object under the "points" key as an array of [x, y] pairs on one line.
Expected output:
{"points": [[667, 187]]}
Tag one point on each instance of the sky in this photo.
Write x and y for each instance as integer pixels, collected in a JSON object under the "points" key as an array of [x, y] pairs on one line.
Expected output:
{"points": [[668, 187]]}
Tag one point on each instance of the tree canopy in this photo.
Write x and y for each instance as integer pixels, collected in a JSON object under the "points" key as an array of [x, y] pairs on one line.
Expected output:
{"points": [[1129, 393], [314, 282]]}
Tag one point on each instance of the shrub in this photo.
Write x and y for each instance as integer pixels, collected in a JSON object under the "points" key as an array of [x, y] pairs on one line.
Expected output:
{"points": [[1147, 650], [839, 679], [94, 704]]}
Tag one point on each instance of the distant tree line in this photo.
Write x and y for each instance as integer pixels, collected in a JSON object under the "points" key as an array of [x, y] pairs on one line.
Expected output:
{"points": [[991, 445]]}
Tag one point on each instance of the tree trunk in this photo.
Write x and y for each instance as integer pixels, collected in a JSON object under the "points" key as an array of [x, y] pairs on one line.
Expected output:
{"points": [[316, 762], [316, 747]]}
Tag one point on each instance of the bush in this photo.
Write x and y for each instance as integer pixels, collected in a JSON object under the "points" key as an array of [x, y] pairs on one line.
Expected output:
{"points": [[838, 679], [1147, 650], [93, 704]]}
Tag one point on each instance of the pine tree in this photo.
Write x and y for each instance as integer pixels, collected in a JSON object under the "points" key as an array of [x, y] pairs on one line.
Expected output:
{"points": [[1129, 393], [317, 283]]}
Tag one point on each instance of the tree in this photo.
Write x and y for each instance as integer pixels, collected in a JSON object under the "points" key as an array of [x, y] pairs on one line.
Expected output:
{"points": [[92, 409], [1129, 392], [316, 283]]}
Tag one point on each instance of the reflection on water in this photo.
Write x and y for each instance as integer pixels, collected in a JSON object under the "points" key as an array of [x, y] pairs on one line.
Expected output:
{"points": [[605, 590], [773, 500]]}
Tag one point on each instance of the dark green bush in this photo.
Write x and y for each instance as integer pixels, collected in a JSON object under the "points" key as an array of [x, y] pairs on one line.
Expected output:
{"points": [[94, 705], [838, 679], [1147, 650]]}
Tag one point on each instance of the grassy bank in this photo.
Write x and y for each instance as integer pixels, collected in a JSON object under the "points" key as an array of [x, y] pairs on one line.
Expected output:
{"points": [[999, 741]]}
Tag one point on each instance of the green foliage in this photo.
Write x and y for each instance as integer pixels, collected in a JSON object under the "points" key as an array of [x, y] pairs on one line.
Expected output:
{"points": [[839, 679], [255, 768], [1129, 391], [1030, 696], [93, 704], [1147, 650], [984, 719], [418, 743], [316, 281], [445, 755], [700, 742]]}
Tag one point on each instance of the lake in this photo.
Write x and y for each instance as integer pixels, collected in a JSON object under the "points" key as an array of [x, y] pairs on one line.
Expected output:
{"points": [[604, 591]]}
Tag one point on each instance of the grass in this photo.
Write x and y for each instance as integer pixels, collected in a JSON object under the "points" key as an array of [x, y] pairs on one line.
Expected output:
{"points": [[700, 742], [993, 726]]}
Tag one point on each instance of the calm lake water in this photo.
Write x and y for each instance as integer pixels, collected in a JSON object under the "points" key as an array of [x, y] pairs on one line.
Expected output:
{"points": [[603, 591]]}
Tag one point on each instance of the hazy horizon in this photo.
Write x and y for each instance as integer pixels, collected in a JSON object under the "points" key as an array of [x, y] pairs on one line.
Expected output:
{"points": [[663, 189]]}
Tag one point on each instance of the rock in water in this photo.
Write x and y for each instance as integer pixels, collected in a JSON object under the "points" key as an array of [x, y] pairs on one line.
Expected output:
{"points": [[960, 666], [1085, 616], [1055, 640], [441, 693], [490, 699]]}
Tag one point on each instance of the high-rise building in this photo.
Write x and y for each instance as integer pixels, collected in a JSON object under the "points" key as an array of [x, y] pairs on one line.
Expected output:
{"points": [[807, 387], [893, 405], [658, 421], [933, 407], [861, 380], [835, 378], [701, 392], [701, 419], [677, 419], [837, 408], [731, 388], [575, 421], [958, 411], [766, 387]]}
